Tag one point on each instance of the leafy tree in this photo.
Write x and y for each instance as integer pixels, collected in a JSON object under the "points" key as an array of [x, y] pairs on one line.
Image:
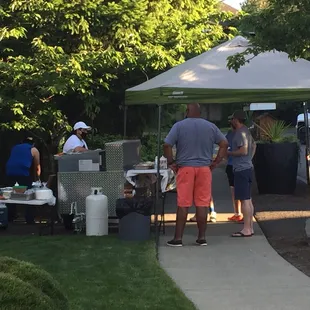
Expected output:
{"points": [[251, 6], [63, 60], [281, 25]]}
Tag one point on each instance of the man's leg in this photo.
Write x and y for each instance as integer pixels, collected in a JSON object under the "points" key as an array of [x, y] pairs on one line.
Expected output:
{"points": [[236, 203], [252, 211], [180, 223], [202, 199], [185, 189], [237, 217], [212, 211], [243, 192], [201, 214], [246, 207]]}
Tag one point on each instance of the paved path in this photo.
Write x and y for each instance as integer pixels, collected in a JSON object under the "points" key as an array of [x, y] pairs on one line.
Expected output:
{"points": [[234, 274]]}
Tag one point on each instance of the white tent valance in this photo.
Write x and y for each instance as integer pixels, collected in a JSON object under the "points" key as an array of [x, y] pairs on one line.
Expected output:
{"points": [[269, 77]]}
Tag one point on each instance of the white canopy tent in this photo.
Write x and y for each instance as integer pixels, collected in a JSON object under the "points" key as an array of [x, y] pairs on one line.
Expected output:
{"points": [[268, 77]]}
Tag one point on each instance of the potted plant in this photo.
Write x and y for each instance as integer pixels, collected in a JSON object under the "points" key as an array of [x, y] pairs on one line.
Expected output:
{"points": [[276, 160]]}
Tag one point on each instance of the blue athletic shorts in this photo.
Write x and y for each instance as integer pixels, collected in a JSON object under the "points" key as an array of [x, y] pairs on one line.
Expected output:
{"points": [[243, 184]]}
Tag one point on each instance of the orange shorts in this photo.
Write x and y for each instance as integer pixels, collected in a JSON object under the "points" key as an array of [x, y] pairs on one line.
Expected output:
{"points": [[194, 186]]}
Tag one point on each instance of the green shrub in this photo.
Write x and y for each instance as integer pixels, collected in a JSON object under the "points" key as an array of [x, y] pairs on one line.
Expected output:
{"points": [[148, 144], [275, 133], [16, 294], [98, 141], [149, 147], [37, 277]]}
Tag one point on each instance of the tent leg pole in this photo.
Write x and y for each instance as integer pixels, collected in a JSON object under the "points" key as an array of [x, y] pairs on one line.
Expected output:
{"points": [[158, 177], [125, 121], [307, 154]]}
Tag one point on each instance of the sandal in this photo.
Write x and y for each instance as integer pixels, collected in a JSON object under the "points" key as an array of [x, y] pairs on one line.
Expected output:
{"points": [[240, 234]]}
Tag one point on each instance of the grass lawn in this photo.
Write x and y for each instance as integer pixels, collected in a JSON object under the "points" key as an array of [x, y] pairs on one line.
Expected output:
{"points": [[101, 273]]}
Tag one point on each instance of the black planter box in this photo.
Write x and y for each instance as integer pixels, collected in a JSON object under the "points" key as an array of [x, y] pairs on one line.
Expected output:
{"points": [[276, 167]]}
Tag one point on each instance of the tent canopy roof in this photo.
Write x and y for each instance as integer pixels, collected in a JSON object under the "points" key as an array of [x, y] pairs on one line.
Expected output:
{"points": [[269, 77]]}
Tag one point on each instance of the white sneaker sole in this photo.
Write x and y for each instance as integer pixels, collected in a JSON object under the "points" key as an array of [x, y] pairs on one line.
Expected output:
{"points": [[174, 245]]}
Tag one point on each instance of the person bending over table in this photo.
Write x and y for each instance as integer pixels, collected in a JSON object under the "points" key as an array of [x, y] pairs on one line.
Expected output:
{"points": [[194, 138], [23, 158]]}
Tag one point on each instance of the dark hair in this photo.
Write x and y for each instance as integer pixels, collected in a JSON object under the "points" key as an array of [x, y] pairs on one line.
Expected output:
{"points": [[28, 140]]}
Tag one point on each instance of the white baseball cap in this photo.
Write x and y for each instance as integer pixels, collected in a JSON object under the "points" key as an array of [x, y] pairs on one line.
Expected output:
{"points": [[81, 125]]}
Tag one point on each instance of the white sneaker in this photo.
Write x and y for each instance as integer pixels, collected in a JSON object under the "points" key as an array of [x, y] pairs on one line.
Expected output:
{"points": [[213, 217]]}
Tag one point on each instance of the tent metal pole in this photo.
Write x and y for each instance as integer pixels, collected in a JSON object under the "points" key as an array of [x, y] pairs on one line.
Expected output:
{"points": [[307, 153], [158, 176], [125, 121]]}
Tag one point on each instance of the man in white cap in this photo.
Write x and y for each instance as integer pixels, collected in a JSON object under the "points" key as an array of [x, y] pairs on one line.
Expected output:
{"points": [[76, 142]]}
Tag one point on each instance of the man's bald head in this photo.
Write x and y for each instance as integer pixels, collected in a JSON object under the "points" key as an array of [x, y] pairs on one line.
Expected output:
{"points": [[193, 110]]}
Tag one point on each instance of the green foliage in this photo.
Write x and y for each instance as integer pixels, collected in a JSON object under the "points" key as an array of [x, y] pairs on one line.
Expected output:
{"points": [[248, 121], [149, 147], [98, 141], [37, 278], [148, 144], [61, 59], [275, 133], [280, 25], [252, 6], [16, 294]]}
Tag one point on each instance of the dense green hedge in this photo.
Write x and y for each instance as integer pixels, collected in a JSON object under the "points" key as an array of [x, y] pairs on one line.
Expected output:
{"points": [[16, 294], [34, 281]]}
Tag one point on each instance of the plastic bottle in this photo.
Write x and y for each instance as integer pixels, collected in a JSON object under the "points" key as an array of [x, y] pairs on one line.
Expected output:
{"points": [[163, 162]]}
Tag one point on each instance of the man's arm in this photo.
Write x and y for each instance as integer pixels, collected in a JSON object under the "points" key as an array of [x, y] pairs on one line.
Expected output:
{"points": [[222, 142], [168, 153], [80, 149], [221, 154], [36, 162], [170, 141], [242, 143], [242, 151]]}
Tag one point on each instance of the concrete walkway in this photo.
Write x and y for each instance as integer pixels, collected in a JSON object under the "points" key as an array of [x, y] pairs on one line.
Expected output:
{"points": [[232, 273]]}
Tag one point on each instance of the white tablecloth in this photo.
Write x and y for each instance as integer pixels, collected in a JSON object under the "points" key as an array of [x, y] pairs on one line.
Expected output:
{"points": [[167, 174], [34, 202]]}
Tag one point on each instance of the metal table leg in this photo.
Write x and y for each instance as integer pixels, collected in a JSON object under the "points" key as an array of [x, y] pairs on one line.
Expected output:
{"points": [[53, 213], [163, 212]]}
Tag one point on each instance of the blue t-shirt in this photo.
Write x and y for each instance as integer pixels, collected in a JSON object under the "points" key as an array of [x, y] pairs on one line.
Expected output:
{"points": [[194, 139], [20, 160], [229, 137]]}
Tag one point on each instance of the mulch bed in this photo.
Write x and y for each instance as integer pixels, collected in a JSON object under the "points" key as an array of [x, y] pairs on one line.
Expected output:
{"points": [[282, 219]]}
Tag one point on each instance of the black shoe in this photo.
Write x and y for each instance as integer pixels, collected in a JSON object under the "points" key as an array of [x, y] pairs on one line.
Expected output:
{"points": [[175, 243], [201, 242]]}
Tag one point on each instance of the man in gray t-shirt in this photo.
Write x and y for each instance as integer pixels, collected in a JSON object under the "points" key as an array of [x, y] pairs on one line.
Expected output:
{"points": [[194, 139], [243, 149], [242, 138]]}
